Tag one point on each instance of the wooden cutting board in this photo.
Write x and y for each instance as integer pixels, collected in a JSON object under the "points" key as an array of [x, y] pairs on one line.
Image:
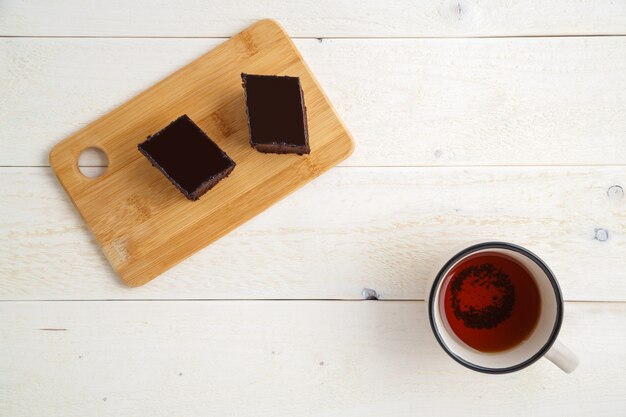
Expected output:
{"points": [[142, 222]]}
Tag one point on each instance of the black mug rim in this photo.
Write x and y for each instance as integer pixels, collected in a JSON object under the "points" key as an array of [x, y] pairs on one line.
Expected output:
{"points": [[497, 245]]}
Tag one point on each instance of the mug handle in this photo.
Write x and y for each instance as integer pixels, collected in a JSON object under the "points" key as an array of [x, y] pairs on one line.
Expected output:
{"points": [[561, 356]]}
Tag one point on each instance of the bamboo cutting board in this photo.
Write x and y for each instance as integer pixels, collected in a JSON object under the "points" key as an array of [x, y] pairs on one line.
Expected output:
{"points": [[142, 222]]}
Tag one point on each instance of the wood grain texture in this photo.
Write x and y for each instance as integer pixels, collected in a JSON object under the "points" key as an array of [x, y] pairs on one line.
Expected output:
{"points": [[371, 358], [321, 18], [436, 102], [353, 228], [144, 224]]}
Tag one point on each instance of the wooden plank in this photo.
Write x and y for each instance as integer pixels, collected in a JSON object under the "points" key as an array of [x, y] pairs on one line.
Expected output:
{"points": [[143, 224], [286, 358], [407, 102], [325, 18], [353, 228]]}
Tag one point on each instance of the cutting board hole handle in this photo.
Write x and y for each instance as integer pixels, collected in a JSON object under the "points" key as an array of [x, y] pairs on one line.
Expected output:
{"points": [[93, 162]]}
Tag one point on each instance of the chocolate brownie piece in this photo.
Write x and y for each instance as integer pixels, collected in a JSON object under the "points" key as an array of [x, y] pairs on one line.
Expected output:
{"points": [[187, 157], [276, 114]]}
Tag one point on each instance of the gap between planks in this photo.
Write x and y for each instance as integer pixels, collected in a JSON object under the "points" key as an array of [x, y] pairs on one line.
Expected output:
{"points": [[399, 166], [262, 300], [320, 39]]}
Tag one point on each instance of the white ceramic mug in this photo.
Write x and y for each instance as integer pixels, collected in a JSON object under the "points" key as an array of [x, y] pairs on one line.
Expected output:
{"points": [[541, 342]]}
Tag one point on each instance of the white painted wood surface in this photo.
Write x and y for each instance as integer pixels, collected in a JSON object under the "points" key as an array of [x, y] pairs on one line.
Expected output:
{"points": [[416, 102], [314, 18], [380, 228], [516, 138], [284, 358]]}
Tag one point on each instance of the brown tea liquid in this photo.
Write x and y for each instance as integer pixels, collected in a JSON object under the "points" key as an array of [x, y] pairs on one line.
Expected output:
{"points": [[491, 302]]}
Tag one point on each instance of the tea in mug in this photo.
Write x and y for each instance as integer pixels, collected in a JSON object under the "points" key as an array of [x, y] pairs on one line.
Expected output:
{"points": [[490, 302]]}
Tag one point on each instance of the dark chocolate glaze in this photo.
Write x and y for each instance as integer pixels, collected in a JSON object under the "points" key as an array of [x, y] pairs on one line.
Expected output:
{"points": [[276, 114], [188, 157]]}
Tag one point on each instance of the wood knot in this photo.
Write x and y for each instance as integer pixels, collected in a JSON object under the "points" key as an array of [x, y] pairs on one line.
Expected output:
{"points": [[249, 46], [369, 294], [120, 248], [139, 208], [615, 192], [218, 123], [601, 234]]}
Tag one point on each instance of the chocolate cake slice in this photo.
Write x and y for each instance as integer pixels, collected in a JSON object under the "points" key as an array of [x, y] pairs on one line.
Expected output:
{"points": [[276, 114], [187, 157]]}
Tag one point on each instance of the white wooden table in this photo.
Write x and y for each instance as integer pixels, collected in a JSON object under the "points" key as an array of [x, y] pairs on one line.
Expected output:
{"points": [[472, 119]]}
